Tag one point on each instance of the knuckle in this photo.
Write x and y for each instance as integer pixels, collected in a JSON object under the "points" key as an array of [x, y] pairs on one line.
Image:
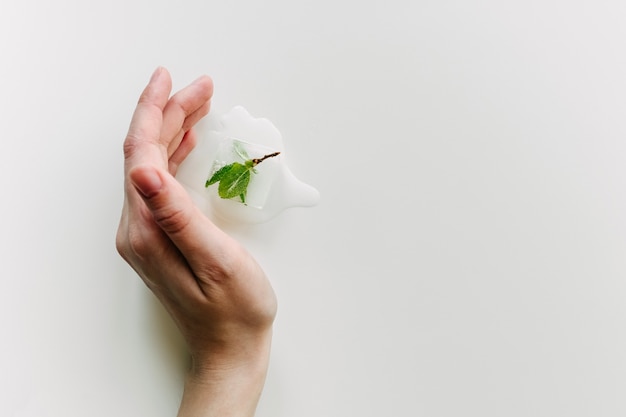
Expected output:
{"points": [[131, 144], [172, 220], [121, 243], [131, 244], [135, 243], [177, 105]]}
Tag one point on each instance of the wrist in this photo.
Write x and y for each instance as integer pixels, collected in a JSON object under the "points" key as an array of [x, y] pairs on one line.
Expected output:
{"points": [[226, 385]]}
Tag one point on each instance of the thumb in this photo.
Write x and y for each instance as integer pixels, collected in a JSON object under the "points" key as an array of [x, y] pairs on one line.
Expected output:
{"points": [[175, 213]]}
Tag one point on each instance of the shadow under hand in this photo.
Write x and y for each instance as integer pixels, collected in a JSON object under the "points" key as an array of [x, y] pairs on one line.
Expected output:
{"points": [[169, 341]]}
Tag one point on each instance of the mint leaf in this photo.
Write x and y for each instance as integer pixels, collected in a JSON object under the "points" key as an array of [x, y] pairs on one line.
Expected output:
{"points": [[235, 181], [217, 176], [234, 178]]}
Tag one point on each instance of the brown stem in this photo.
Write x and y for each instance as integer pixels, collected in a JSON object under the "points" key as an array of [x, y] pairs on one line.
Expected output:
{"points": [[257, 161]]}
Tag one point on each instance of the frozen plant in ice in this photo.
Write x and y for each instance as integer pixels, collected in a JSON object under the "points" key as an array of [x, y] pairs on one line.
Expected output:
{"points": [[234, 178]]}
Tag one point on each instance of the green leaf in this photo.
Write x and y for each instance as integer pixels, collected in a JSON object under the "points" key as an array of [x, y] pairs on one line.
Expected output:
{"points": [[235, 181], [217, 176], [234, 178]]}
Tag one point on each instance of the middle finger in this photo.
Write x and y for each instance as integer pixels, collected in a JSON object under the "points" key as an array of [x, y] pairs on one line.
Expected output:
{"points": [[181, 106]]}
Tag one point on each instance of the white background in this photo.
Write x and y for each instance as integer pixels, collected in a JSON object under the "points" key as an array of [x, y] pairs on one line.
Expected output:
{"points": [[467, 256]]}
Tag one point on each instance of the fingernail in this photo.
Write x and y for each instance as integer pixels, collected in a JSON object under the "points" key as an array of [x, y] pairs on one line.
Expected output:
{"points": [[155, 75], [147, 182]]}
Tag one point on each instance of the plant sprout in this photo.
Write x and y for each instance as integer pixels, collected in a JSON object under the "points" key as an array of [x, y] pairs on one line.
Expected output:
{"points": [[234, 178]]}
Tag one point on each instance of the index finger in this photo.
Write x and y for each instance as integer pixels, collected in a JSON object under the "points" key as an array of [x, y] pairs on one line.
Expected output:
{"points": [[142, 141]]}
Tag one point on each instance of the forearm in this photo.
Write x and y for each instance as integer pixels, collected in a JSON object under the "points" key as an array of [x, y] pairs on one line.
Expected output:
{"points": [[230, 392]]}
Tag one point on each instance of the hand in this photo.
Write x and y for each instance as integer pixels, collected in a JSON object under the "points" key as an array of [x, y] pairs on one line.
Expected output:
{"points": [[216, 293]]}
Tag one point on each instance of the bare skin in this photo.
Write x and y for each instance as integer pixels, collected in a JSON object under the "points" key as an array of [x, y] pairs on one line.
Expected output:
{"points": [[214, 290]]}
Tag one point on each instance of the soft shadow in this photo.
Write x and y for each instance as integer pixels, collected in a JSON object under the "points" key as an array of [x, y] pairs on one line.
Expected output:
{"points": [[169, 341]]}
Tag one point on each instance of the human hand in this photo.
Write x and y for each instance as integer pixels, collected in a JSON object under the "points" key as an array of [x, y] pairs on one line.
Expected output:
{"points": [[216, 293]]}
